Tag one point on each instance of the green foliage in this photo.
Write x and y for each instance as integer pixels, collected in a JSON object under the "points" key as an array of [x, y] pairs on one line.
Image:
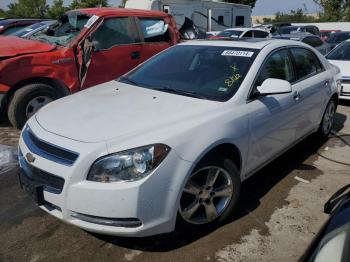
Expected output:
{"points": [[334, 10], [57, 9], [28, 8], [88, 3]]}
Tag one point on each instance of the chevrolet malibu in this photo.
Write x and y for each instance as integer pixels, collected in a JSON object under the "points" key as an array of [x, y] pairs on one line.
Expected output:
{"points": [[171, 141]]}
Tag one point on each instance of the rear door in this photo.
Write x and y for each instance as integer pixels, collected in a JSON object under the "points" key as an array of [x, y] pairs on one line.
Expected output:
{"points": [[155, 36], [115, 50], [313, 83]]}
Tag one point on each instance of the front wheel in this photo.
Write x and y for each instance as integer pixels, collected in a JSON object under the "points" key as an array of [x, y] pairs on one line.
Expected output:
{"points": [[27, 101], [210, 193], [326, 125]]}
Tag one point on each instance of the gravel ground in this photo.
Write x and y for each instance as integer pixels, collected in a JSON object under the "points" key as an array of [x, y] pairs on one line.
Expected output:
{"points": [[276, 219]]}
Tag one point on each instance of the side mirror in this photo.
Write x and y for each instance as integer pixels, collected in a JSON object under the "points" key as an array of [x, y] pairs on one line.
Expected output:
{"points": [[273, 86]]}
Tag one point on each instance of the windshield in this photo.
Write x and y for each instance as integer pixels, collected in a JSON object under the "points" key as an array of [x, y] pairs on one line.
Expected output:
{"points": [[230, 33], [62, 33], [206, 72], [338, 38], [341, 52]]}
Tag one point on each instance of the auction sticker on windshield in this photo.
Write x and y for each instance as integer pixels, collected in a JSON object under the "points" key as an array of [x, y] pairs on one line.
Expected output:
{"points": [[91, 21], [237, 53]]}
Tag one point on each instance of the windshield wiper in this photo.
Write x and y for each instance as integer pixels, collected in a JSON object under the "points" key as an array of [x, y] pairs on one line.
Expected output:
{"points": [[180, 92], [130, 81]]}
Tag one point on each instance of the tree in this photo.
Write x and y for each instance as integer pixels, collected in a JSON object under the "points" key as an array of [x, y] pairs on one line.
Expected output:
{"points": [[88, 3], [2, 13], [28, 8], [57, 9], [334, 10]]}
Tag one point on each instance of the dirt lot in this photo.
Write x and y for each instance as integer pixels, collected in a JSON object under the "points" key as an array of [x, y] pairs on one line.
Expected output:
{"points": [[277, 217]]}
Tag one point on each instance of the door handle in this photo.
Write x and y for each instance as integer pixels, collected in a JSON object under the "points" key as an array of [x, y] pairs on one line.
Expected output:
{"points": [[296, 96], [135, 55]]}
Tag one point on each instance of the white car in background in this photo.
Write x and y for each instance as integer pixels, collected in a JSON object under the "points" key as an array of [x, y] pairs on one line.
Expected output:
{"points": [[171, 141], [340, 56], [241, 33]]}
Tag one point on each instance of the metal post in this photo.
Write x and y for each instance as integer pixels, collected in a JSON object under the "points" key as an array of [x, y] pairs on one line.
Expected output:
{"points": [[209, 20]]}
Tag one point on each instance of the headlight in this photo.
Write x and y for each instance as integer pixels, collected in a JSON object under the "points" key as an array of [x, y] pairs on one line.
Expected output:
{"points": [[130, 165]]}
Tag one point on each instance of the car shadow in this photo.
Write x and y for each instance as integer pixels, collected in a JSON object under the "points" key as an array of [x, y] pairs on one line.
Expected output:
{"points": [[253, 190]]}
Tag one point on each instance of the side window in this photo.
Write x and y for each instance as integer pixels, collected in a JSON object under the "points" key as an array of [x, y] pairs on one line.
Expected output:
{"points": [[239, 20], [115, 31], [279, 66], [248, 34], [306, 62], [154, 30], [260, 34]]}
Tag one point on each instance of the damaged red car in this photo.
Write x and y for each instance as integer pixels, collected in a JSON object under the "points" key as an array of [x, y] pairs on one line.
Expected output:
{"points": [[85, 48]]}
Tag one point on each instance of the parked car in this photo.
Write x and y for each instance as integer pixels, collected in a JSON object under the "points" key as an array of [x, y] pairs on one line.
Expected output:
{"points": [[34, 28], [240, 33], [307, 38], [292, 29], [172, 140], [10, 26], [86, 48], [332, 243], [338, 37], [340, 56], [276, 26], [326, 34]]}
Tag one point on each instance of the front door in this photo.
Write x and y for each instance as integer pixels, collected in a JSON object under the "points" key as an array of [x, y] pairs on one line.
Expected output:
{"points": [[115, 50], [272, 118]]}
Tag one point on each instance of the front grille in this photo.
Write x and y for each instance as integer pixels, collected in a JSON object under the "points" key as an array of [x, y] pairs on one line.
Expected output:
{"points": [[51, 183], [47, 150]]}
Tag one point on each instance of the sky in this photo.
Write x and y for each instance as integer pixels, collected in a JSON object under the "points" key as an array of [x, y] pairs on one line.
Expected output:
{"points": [[262, 7]]}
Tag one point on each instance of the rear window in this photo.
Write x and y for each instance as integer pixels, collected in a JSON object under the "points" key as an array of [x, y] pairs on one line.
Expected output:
{"points": [[154, 30], [230, 33], [207, 72]]}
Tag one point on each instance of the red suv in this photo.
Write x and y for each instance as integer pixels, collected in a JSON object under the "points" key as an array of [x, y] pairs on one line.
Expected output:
{"points": [[87, 47]]}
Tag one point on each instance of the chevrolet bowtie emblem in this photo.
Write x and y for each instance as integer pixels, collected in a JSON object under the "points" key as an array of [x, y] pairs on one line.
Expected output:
{"points": [[30, 158]]}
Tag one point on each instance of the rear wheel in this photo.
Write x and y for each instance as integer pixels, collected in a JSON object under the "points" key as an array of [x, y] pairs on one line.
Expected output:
{"points": [[210, 193], [28, 100], [326, 125]]}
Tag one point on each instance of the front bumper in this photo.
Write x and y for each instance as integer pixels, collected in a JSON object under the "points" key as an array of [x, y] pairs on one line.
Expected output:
{"points": [[142, 208]]}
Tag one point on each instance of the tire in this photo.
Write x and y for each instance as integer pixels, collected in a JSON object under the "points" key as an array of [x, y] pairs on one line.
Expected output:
{"points": [[326, 124], [20, 109], [223, 206]]}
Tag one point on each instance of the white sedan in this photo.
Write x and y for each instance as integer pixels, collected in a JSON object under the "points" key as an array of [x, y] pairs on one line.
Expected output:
{"points": [[340, 56], [171, 141]]}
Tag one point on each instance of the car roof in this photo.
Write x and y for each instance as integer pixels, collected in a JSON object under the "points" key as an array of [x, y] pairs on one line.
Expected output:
{"points": [[107, 11], [300, 36], [244, 29], [8, 21], [254, 43]]}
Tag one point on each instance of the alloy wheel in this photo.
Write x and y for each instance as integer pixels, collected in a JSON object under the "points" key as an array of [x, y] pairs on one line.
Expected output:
{"points": [[206, 195], [328, 118]]}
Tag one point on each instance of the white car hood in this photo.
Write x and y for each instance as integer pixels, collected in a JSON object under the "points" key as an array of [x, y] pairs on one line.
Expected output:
{"points": [[343, 65], [115, 109]]}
